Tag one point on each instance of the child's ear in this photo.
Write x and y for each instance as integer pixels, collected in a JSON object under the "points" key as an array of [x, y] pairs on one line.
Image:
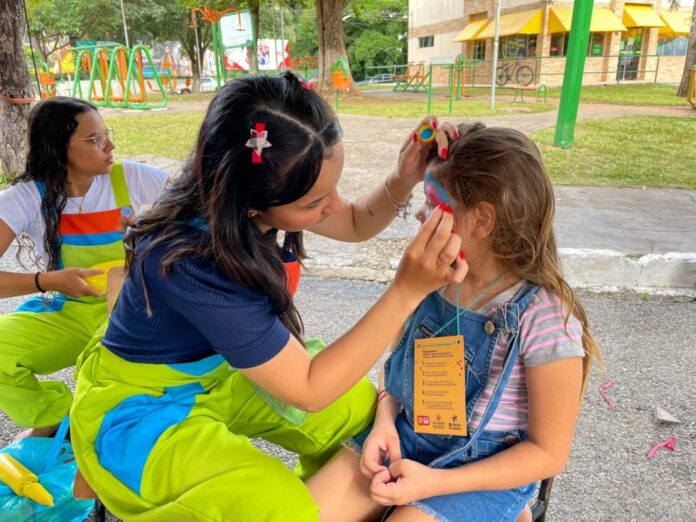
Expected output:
{"points": [[485, 220]]}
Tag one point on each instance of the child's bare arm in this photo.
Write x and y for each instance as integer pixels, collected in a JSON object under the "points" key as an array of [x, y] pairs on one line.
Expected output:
{"points": [[553, 392]]}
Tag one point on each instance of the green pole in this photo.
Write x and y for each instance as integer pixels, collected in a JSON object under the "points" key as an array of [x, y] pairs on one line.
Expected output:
{"points": [[451, 85], [460, 66], [430, 90], [216, 51], [572, 77]]}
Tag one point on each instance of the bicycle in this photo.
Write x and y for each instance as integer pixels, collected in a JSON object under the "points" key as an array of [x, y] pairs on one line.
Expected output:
{"points": [[524, 75]]}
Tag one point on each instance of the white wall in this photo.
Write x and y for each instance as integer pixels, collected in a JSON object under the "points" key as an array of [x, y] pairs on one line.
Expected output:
{"points": [[426, 12], [444, 46]]}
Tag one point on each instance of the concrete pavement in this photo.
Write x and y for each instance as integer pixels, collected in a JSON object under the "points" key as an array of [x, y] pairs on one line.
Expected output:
{"points": [[610, 238], [647, 344]]}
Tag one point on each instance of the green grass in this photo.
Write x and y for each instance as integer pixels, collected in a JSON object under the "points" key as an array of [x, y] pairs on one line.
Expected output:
{"points": [[633, 94], [625, 152], [389, 107], [165, 135], [624, 94]]}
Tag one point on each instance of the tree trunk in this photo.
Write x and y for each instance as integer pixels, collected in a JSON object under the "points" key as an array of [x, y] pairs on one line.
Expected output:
{"points": [[14, 85], [690, 57], [331, 44], [254, 58]]}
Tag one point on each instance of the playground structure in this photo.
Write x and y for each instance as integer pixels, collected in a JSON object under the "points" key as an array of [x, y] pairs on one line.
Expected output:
{"points": [[47, 82], [214, 17], [116, 76], [418, 79], [340, 79]]}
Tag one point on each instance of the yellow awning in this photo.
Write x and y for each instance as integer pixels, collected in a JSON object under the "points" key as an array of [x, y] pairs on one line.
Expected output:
{"points": [[641, 16], [603, 21], [471, 30], [525, 22], [676, 24]]}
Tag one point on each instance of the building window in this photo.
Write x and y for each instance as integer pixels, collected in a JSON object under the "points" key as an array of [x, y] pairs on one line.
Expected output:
{"points": [[558, 44], [426, 41], [595, 47], [478, 50], [672, 46], [517, 46]]}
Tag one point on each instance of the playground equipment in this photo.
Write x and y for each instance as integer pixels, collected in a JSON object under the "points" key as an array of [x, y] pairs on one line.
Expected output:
{"points": [[340, 78], [108, 62], [214, 17], [691, 94], [47, 82], [416, 82], [455, 77]]}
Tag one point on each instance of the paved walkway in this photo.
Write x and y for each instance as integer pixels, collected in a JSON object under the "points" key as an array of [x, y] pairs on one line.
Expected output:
{"points": [[611, 237]]}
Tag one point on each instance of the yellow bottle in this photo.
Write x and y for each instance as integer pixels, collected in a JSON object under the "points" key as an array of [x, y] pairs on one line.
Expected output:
{"points": [[22, 481], [98, 281]]}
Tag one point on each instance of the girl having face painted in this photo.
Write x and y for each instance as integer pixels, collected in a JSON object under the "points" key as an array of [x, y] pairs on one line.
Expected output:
{"points": [[479, 399]]}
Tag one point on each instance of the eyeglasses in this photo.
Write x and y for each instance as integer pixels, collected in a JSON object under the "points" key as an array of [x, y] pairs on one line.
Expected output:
{"points": [[101, 139]]}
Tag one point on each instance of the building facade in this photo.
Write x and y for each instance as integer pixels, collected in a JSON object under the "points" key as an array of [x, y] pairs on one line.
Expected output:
{"points": [[630, 40]]}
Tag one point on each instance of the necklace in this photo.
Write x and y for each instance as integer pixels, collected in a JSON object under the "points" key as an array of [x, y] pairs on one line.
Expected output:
{"points": [[79, 205]]}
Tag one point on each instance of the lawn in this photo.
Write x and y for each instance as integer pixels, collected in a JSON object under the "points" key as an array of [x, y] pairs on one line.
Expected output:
{"points": [[164, 135], [625, 152], [405, 108], [621, 94]]}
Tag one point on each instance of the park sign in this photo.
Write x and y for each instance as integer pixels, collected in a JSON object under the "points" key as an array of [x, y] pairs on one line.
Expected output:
{"points": [[237, 30]]}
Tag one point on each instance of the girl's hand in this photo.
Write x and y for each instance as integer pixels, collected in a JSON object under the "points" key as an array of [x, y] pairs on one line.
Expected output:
{"points": [[382, 442], [405, 481], [413, 157], [70, 282], [433, 258]]}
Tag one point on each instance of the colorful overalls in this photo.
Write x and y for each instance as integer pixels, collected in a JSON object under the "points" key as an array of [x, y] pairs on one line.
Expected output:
{"points": [[45, 335], [171, 441], [449, 452]]}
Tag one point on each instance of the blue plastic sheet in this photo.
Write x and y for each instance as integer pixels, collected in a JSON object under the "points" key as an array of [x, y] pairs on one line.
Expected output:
{"points": [[53, 462]]}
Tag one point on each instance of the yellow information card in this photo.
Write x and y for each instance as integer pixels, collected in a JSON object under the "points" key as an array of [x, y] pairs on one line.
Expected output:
{"points": [[439, 386]]}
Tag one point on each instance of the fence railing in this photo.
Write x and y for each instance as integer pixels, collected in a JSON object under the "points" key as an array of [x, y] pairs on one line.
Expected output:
{"points": [[618, 68]]}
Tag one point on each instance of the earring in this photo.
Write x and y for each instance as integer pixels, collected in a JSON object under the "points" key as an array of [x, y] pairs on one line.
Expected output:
{"points": [[252, 214]]}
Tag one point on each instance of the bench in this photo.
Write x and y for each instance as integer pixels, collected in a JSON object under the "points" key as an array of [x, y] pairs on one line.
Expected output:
{"points": [[519, 90]]}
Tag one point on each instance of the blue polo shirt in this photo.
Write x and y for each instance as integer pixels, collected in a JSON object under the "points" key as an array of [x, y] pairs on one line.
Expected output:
{"points": [[197, 311]]}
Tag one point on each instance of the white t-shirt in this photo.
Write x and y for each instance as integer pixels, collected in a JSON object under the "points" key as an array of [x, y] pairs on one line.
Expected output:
{"points": [[20, 205]]}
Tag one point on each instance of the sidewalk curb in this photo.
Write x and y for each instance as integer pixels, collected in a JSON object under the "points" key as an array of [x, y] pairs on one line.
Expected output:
{"points": [[672, 273]]}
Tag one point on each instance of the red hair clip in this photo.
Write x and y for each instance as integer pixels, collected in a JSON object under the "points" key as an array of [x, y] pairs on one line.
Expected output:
{"points": [[258, 142], [305, 85]]}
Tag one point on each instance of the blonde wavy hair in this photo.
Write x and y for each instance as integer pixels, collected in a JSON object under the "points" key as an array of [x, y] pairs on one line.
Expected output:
{"points": [[504, 168]]}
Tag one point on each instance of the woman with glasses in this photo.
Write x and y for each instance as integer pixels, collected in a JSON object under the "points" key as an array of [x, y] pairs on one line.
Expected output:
{"points": [[67, 212]]}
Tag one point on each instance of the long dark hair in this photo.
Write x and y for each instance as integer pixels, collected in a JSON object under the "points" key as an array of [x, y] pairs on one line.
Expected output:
{"points": [[504, 167], [51, 124], [220, 185]]}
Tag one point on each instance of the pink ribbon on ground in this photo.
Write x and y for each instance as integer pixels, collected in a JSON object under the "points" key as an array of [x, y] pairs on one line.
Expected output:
{"points": [[603, 389], [667, 444]]}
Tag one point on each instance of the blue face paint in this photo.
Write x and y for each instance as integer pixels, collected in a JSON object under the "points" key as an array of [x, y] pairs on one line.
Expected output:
{"points": [[434, 191]]}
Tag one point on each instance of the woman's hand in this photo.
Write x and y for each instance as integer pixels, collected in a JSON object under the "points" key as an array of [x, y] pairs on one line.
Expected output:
{"points": [[382, 443], [405, 481], [433, 258], [414, 154], [70, 282]]}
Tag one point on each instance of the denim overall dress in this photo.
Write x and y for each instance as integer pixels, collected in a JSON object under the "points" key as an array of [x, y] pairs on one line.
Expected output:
{"points": [[481, 334]]}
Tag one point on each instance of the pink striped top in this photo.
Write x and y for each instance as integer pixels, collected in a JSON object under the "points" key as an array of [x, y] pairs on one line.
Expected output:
{"points": [[543, 339]]}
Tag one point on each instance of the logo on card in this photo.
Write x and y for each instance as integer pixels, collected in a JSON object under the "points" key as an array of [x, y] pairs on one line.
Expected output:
{"points": [[423, 420]]}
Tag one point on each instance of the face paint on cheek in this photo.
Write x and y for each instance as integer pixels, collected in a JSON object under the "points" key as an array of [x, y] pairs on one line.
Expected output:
{"points": [[434, 191]]}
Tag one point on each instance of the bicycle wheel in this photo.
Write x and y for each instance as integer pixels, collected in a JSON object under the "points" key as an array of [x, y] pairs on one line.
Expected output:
{"points": [[501, 76], [525, 75]]}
